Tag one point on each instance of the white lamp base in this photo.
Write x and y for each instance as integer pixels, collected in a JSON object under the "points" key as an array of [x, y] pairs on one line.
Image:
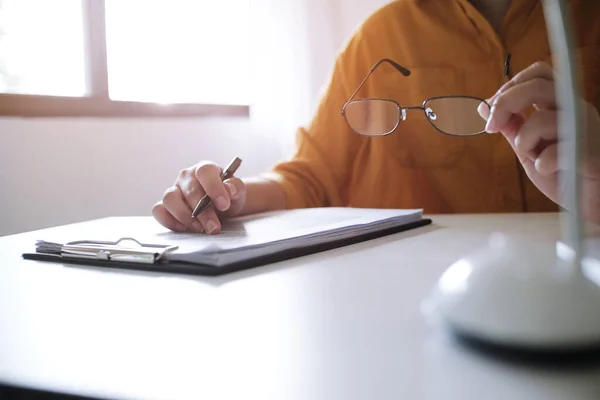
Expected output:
{"points": [[520, 294]]}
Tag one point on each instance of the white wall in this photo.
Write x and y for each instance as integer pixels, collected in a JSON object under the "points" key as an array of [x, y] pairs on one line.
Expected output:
{"points": [[57, 171]]}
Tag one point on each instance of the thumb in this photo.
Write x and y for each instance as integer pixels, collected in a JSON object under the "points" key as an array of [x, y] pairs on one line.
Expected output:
{"points": [[484, 110]]}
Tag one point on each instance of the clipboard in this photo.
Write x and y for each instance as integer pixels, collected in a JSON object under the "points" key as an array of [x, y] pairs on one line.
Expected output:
{"points": [[118, 250], [121, 254]]}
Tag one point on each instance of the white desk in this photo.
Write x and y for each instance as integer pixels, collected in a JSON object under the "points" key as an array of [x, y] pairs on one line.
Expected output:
{"points": [[344, 324]]}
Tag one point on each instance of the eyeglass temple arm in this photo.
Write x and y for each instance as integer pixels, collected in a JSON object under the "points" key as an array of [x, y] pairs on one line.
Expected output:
{"points": [[398, 67]]}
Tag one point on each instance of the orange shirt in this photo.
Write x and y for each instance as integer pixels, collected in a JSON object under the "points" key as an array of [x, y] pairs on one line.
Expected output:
{"points": [[449, 48]]}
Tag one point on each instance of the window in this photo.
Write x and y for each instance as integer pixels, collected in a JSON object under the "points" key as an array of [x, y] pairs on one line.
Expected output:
{"points": [[124, 57]]}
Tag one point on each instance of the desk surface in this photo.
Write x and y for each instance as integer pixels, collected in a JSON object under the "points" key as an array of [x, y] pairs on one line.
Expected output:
{"points": [[344, 324]]}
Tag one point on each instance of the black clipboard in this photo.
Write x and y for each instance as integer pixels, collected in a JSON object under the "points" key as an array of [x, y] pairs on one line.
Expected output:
{"points": [[161, 263]]}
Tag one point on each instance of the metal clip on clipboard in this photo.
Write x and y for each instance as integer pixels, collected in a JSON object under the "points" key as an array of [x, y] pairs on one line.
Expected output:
{"points": [[107, 251]]}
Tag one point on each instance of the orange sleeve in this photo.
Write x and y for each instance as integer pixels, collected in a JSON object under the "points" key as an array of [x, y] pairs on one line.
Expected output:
{"points": [[320, 169]]}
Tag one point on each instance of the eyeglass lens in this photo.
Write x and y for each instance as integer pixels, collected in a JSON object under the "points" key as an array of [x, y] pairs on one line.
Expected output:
{"points": [[456, 115], [451, 115], [374, 117]]}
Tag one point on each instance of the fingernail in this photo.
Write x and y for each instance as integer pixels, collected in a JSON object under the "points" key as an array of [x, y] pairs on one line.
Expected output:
{"points": [[232, 189], [490, 126], [483, 110], [222, 203], [211, 226], [198, 225]]}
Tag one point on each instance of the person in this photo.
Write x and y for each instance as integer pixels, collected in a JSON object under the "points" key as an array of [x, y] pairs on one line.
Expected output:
{"points": [[449, 47]]}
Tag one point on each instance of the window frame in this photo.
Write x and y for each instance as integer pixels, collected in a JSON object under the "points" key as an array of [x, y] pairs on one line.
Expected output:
{"points": [[98, 103]]}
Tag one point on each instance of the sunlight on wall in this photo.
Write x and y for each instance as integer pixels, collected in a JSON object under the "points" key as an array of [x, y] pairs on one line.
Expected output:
{"points": [[171, 51], [41, 47], [164, 51]]}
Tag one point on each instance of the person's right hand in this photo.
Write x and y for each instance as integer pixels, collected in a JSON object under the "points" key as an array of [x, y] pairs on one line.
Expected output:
{"points": [[174, 211]]}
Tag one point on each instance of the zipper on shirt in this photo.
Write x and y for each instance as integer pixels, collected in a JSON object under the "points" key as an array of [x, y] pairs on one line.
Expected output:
{"points": [[520, 170], [506, 69]]}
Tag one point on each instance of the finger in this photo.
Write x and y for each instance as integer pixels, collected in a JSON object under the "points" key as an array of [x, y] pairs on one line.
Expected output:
{"points": [[190, 187], [513, 126], [518, 99], [210, 221], [176, 205], [164, 218], [192, 192], [539, 129], [547, 161], [209, 176], [538, 70], [516, 123], [237, 193], [484, 110], [527, 163], [195, 194]]}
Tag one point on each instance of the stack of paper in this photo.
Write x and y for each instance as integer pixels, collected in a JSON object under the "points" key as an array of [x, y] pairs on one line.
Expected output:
{"points": [[264, 234]]}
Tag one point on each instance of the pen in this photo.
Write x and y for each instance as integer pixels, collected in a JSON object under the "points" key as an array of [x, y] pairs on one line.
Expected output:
{"points": [[226, 174]]}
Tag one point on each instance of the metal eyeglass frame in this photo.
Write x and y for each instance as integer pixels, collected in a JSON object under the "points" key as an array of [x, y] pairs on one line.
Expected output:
{"points": [[429, 114]]}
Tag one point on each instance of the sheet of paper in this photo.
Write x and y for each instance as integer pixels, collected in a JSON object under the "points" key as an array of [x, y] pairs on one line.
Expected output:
{"points": [[263, 234], [278, 226]]}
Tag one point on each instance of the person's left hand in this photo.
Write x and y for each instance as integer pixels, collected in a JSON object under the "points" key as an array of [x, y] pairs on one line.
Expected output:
{"points": [[535, 138]]}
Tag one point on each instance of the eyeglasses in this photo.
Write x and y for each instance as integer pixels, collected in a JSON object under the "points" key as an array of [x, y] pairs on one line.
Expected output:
{"points": [[455, 115]]}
